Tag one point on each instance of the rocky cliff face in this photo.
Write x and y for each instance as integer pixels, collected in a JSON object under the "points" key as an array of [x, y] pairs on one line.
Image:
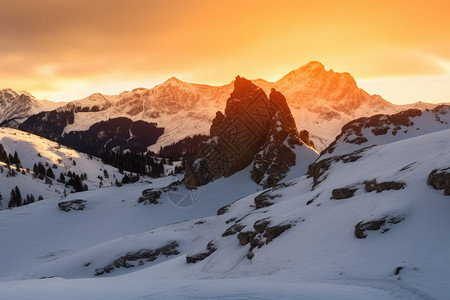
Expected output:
{"points": [[277, 155], [253, 126]]}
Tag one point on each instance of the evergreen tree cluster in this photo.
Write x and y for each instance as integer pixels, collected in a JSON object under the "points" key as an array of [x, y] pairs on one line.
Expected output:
{"points": [[16, 199], [150, 163], [183, 148], [10, 159], [144, 164], [75, 181], [130, 178]]}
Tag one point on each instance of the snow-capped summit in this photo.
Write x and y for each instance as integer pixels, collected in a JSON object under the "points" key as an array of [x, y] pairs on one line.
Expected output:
{"points": [[16, 106]]}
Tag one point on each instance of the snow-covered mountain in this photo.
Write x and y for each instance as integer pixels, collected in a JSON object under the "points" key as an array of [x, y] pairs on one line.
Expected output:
{"points": [[16, 106], [321, 101], [37, 156], [379, 232], [182, 109]]}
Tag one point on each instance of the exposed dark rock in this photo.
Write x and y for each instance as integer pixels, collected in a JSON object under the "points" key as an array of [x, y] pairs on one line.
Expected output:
{"points": [[440, 180], [372, 185], [262, 235], [223, 210], [195, 257], [230, 220], [150, 196], [245, 237], [235, 228], [172, 187], [312, 200], [304, 137], [275, 231], [318, 169], [127, 261], [265, 199], [76, 204], [374, 225], [397, 270], [276, 157], [380, 125], [261, 225], [253, 128], [236, 136], [343, 193]]}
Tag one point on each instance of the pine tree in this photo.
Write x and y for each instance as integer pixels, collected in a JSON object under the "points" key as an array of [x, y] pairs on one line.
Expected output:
{"points": [[12, 199], [35, 170], [50, 173], [62, 179], [16, 158], [18, 196], [3, 155], [41, 169]]}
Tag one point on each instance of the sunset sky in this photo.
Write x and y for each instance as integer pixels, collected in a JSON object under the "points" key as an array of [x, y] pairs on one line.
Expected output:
{"points": [[66, 50]]}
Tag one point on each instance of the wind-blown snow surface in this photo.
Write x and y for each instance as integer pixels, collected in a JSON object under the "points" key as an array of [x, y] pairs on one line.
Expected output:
{"points": [[319, 257]]}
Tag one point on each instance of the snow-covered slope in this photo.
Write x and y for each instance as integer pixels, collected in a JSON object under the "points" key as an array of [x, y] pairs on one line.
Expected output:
{"points": [[31, 150], [365, 225], [383, 129], [16, 106]]}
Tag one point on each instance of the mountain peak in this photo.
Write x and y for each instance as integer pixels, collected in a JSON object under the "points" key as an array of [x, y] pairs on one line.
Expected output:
{"points": [[311, 69], [173, 80], [313, 64]]}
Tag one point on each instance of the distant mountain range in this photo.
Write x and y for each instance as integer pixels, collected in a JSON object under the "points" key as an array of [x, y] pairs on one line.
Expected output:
{"points": [[321, 102]]}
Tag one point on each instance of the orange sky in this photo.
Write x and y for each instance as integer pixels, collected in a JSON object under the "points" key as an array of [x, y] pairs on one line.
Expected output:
{"points": [[65, 50]]}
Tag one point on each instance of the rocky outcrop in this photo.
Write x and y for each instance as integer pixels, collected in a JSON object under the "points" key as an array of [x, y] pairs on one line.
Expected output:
{"points": [[235, 137], [373, 185], [150, 196], [440, 180], [261, 235], [76, 204], [374, 225], [318, 170], [343, 193], [265, 199], [145, 255], [272, 163], [253, 127], [382, 128], [198, 256]]}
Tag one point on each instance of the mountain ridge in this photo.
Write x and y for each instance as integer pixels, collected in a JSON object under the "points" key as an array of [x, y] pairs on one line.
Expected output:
{"points": [[321, 102]]}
